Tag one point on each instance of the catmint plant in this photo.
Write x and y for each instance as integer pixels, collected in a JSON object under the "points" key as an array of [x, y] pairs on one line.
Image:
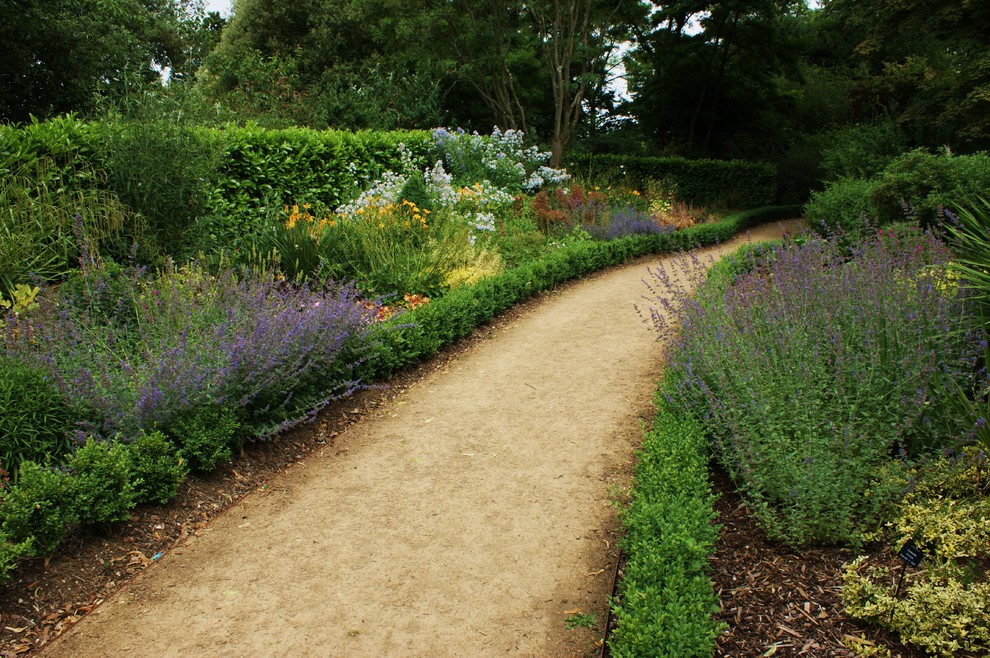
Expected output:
{"points": [[185, 339], [815, 367]]}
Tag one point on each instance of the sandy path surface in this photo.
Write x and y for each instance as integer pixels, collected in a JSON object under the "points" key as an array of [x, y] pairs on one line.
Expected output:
{"points": [[470, 517]]}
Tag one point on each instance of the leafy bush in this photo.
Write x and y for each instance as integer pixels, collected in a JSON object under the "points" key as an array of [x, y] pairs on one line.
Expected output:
{"points": [[924, 183], [387, 247], [157, 469], [205, 436], [10, 555], [38, 508], [944, 608], [43, 225], [862, 150], [263, 170], [843, 206], [103, 492], [666, 600], [805, 400], [162, 166], [967, 231], [34, 421]]}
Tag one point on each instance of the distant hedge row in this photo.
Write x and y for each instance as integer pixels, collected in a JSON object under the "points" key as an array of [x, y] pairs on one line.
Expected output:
{"points": [[713, 183]]}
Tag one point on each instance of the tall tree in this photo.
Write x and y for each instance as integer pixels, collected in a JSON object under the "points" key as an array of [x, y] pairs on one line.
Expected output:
{"points": [[58, 52], [706, 72]]}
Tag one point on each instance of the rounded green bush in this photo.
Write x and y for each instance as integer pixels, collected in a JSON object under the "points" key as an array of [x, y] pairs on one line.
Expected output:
{"points": [[157, 469], [38, 508], [101, 482]]}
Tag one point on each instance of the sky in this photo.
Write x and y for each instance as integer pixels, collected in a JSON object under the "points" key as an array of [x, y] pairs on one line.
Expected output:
{"points": [[222, 6]]}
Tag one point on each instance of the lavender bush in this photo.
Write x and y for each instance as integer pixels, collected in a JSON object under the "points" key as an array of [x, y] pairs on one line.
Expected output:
{"points": [[160, 347], [812, 369], [627, 221]]}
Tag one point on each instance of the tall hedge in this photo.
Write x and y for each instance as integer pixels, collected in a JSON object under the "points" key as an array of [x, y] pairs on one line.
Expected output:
{"points": [[253, 163], [713, 183]]}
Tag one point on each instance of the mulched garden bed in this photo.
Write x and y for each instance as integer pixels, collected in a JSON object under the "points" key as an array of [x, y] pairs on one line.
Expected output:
{"points": [[779, 601]]}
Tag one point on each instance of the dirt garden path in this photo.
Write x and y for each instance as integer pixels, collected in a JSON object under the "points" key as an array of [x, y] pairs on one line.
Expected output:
{"points": [[471, 516]]}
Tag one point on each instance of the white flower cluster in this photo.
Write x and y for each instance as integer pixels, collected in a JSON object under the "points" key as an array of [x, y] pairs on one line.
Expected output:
{"points": [[545, 176], [385, 190], [440, 185]]}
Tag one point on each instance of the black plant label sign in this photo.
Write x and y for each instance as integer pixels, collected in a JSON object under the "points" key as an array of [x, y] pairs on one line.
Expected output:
{"points": [[911, 554]]}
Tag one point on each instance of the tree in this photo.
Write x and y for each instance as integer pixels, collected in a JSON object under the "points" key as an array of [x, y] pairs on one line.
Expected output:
{"points": [[58, 52], [708, 76]]}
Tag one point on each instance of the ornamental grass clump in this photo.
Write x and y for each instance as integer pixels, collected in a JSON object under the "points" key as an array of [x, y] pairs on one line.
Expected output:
{"points": [[815, 367], [184, 339]]}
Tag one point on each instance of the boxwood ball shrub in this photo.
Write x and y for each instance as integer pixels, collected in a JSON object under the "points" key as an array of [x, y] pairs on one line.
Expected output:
{"points": [[38, 508], [157, 468], [103, 491]]}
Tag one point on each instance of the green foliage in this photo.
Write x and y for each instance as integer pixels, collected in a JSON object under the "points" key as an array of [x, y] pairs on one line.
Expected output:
{"points": [[10, 554], [43, 225], [102, 488], [844, 205], [56, 54], [205, 437], [666, 600], [34, 421], [862, 150], [262, 171], [38, 508], [805, 401], [161, 166], [711, 183], [970, 241], [157, 469], [926, 183]]}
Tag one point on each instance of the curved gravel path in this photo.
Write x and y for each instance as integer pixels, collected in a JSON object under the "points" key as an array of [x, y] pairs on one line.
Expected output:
{"points": [[470, 517]]}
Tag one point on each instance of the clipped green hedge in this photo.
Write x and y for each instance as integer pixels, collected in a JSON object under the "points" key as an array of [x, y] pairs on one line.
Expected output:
{"points": [[420, 333], [666, 600], [302, 164], [712, 183], [252, 170]]}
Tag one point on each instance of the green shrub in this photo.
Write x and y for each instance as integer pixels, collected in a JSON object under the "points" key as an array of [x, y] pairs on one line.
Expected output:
{"points": [[10, 555], [163, 167], [157, 469], [805, 401], [101, 482], [666, 600], [945, 607], [844, 205], [38, 508], [205, 437], [919, 184], [34, 421], [862, 150]]}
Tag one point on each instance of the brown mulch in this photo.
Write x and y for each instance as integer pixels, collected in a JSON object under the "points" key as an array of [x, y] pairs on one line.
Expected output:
{"points": [[777, 601]]}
